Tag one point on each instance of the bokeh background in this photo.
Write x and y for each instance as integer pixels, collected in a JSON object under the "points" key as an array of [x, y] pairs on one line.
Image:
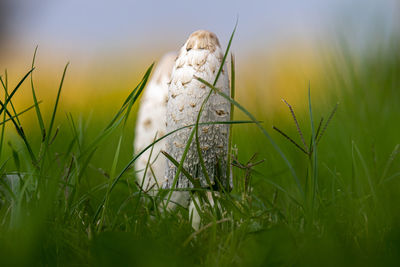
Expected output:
{"points": [[348, 52], [109, 43]]}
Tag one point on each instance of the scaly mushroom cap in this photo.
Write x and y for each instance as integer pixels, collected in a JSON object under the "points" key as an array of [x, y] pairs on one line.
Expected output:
{"points": [[151, 120], [200, 56]]}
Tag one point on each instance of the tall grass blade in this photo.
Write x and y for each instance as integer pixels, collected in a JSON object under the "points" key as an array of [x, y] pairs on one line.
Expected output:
{"points": [[11, 103], [20, 113], [233, 88], [8, 99], [133, 96], [37, 108], [112, 173], [366, 171], [194, 181], [389, 163], [117, 119], [313, 163], [21, 133], [5, 85], [226, 53], [74, 131], [253, 119], [53, 116]]}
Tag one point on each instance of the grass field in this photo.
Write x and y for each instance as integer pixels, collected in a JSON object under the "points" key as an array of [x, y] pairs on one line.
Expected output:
{"points": [[68, 194]]}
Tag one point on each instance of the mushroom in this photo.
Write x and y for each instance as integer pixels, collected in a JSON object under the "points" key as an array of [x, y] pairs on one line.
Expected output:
{"points": [[201, 56], [150, 124]]}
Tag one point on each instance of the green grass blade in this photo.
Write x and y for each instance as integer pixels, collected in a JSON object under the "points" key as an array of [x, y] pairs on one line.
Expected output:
{"points": [[37, 108], [389, 163], [112, 173], [5, 85], [119, 118], [74, 131], [53, 116], [21, 133], [226, 54], [275, 146], [11, 103], [20, 113], [280, 188], [3, 127], [391, 177], [133, 96], [196, 131], [116, 157], [366, 171], [314, 162], [8, 99], [196, 128], [233, 88], [180, 167], [194, 181]]}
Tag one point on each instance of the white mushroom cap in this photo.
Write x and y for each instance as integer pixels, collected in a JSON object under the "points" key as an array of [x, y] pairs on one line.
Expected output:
{"points": [[200, 56], [151, 120]]}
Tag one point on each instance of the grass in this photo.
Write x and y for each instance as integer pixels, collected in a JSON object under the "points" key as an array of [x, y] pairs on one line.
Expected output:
{"points": [[68, 194]]}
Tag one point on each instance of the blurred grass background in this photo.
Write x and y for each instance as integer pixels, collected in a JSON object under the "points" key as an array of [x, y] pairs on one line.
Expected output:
{"points": [[352, 59]]}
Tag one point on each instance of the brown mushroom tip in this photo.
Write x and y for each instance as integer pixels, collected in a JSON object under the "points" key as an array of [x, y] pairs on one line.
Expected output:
{"points": [[202, 39]]}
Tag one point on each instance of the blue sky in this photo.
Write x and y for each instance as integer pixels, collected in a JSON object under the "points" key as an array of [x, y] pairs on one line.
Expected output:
{"points": [[90, 25]]}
